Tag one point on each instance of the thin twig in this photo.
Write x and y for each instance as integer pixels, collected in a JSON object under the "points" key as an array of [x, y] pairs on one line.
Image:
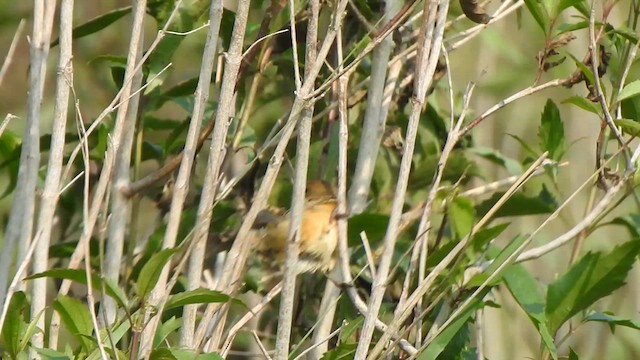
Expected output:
{"points": [[216, 157], [430, 44], [180, 192], [93, 210], [265, 353], [248, 316], [375, 117], [19, 228], [517, 96], [331, 292], [51, 190], [516, 256], [404, 313], [6, 121], [17, 278], [471, 33], [185, 33], [586, 221], [593, 49], [369, 253], [12, 49], [126, 114], [239, 251], [316, 344], [294, 45]]}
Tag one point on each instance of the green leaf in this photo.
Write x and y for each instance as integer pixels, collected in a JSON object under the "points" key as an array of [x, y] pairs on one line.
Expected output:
{"points": [[627, 33], [76, 318], [520, 204], [630, 108], [561, 5], [573, 355], [496, 263], [96, 24], [181, 354], [511, 165], [30, 330], [613, 320], [151, 271], [456, 347], [165, 329], [197, 296], [349, 328], [525, 145], [586, 71], [584, 104], [50, 354], [183, 88], [341, 352], [595, 276], [113, 337], [524, 289], [162, 354], [80, 276], [539, 14], [551, 131], [14, 326], [482, 237], [440, 342], [10, 148], [565, 28], [461, 213], [631, 222], [628, 126], [630, 90], [374, 225]]}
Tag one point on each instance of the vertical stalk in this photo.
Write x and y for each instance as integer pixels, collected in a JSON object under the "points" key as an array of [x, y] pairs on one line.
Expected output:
{"points": [[92, 210], [120, 203], [285, 314], [19, 227], [51, 191], [430, 43], [226, 109], [375, 118], [236, 260], [196, 259]]}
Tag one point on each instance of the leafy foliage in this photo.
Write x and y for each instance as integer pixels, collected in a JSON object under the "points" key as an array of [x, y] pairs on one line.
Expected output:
{"points": [[448, 258]]}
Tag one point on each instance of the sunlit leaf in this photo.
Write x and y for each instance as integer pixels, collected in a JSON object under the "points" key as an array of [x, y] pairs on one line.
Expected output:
{"points": [[630, 90], [525, 290], [584, 104], [80, 276], [511, 165], [97, 24], [461, 214], [539, 14], [440, 342], [197, 296], [76, 318], [520, 204], [628, 126], [150, 272], [551, 131], [14, 326], [595, 276]]}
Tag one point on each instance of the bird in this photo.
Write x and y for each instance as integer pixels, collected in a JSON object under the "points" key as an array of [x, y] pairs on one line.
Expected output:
{"points": [[318, 231]]}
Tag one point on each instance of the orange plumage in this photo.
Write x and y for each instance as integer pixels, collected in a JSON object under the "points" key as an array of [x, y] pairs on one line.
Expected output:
{"points": [[318, 231]]}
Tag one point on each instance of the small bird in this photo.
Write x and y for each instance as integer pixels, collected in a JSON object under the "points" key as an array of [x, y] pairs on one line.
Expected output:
{"points": [[318, 231]]}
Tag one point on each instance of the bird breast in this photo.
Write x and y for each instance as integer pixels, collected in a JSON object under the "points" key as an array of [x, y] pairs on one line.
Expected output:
{"points": [[318, 237]]}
